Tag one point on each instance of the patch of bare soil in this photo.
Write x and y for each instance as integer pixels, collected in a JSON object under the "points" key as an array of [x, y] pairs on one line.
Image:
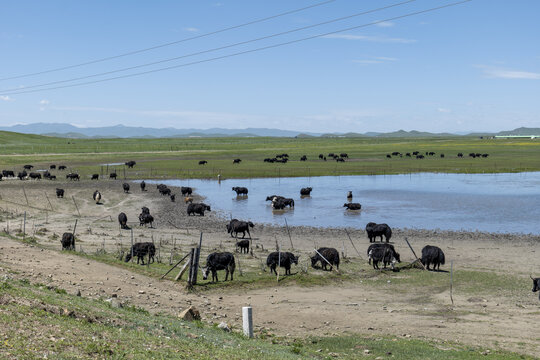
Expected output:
{"points": [[491, 320]]}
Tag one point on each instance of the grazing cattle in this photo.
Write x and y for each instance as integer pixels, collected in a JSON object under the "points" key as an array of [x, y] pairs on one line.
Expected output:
{"points": [[303, 158], [385, 254], [408, 154], [416, 153], [305, 191], [173, 197], [536, 285], [388, 156], [143, 186], [219, 261], [165, 191], [95, 177], [1, 176], [46, 174], [9, 173], [478, 154], [73, 176], [340, 160], [330, 254], [140, 250], [96, 196], [125, 186], [432, 255], [186, 190], [460, 155], [243, 245], [331, 155], [188, 199], [431, 153], [193, 209], [52, 167], [130, 164], [34, 176], [22, 175], [62, 167], [352, 206], [28, 167], [238, 226], [349, 195], [442, 155], [395, 153], [344, 155], [52, 177], [59, 193], [112, 175], [382, 245], [68, 241], [240, 190], [145, 219], [485, 155], [122, 219], [321, 156], [282, 259], [145, 210], [203, 162], [373, 230], [236, 161], [419, 156]]}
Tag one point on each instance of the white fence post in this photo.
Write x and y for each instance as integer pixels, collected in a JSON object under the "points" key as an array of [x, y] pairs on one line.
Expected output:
{"points": [[247, 321]]}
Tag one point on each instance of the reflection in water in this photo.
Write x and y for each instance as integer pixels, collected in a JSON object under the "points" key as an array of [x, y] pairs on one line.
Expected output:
{"points": [[485, 202]]}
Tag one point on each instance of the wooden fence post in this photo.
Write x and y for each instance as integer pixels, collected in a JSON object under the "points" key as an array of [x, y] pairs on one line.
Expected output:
{"points": [[288, 232], [76, 207]]}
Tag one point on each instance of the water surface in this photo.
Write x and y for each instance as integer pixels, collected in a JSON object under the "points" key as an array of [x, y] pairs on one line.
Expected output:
{"points": [[504, 203]]}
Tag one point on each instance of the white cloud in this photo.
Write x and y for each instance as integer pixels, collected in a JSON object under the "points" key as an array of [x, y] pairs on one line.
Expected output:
{"points": [[498, 73], [375, 60], [44, 102], [444, 110], [385, 24], [5, 98], [371, 38], [191, 29]]}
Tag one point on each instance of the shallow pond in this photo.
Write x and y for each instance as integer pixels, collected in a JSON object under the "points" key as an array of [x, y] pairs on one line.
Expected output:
{"points": [[505, 203]]}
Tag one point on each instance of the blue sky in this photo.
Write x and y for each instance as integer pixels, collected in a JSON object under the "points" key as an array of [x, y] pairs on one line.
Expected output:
{"points": [[472, 67]]}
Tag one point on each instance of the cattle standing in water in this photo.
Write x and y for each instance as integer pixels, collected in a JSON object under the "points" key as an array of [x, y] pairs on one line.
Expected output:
{"points": [[140, 250], [352, 206], [240, 190], [330, 254], [122, 219], [305, 191], [59, 193], [193, 209], [125, 186], [143, 186], [96, 196], [68, 241], [95, 177], [536, 285], [243, 245], [274, 197], [219, 261], [373, 230], [432, 255], [283, 259], [238, 226], [349, 196]]}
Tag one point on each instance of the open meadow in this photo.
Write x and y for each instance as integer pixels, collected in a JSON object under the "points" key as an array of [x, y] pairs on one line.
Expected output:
{"points": [[128, 311]]}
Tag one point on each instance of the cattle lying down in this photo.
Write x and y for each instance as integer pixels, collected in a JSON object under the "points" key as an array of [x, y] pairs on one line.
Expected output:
{"points": [[384, 254], [330, 254], [536, 285], [140, 250], [432, 255], [373, 230], [352, 206], [68, 241], [219, 261], [283, 259]]}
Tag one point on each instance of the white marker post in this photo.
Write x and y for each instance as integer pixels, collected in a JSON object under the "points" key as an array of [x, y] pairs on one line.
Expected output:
{"points": [[247, 321]]}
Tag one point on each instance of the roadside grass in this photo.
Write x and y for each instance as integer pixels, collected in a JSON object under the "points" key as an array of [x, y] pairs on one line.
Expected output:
{"points": [[178, 158], [40, 321]]}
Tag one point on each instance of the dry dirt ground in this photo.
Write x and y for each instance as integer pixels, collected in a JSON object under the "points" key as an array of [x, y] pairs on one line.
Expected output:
{"points": [[493, 320]]}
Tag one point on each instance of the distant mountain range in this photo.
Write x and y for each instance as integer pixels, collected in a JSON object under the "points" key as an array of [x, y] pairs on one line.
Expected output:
{"points": [[121, 131]]}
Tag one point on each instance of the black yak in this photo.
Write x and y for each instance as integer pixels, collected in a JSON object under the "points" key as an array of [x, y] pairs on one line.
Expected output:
{"points": [[306, 191], [237, 226], [59, 193], [219, 261], [283, 259], [240, 190], [193, 209], [122, 219], [432, 255], [68, 241], [352, 206], [373, 230], [125, 186], [140, 250], [330, 254]]}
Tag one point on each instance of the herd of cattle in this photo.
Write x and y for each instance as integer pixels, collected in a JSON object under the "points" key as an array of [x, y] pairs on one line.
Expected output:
{"points": [[378, 253], [419, 155]]}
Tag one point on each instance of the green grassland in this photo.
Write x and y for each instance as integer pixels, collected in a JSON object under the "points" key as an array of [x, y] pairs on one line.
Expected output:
{"points": [[178, 158], [39, 321]]}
